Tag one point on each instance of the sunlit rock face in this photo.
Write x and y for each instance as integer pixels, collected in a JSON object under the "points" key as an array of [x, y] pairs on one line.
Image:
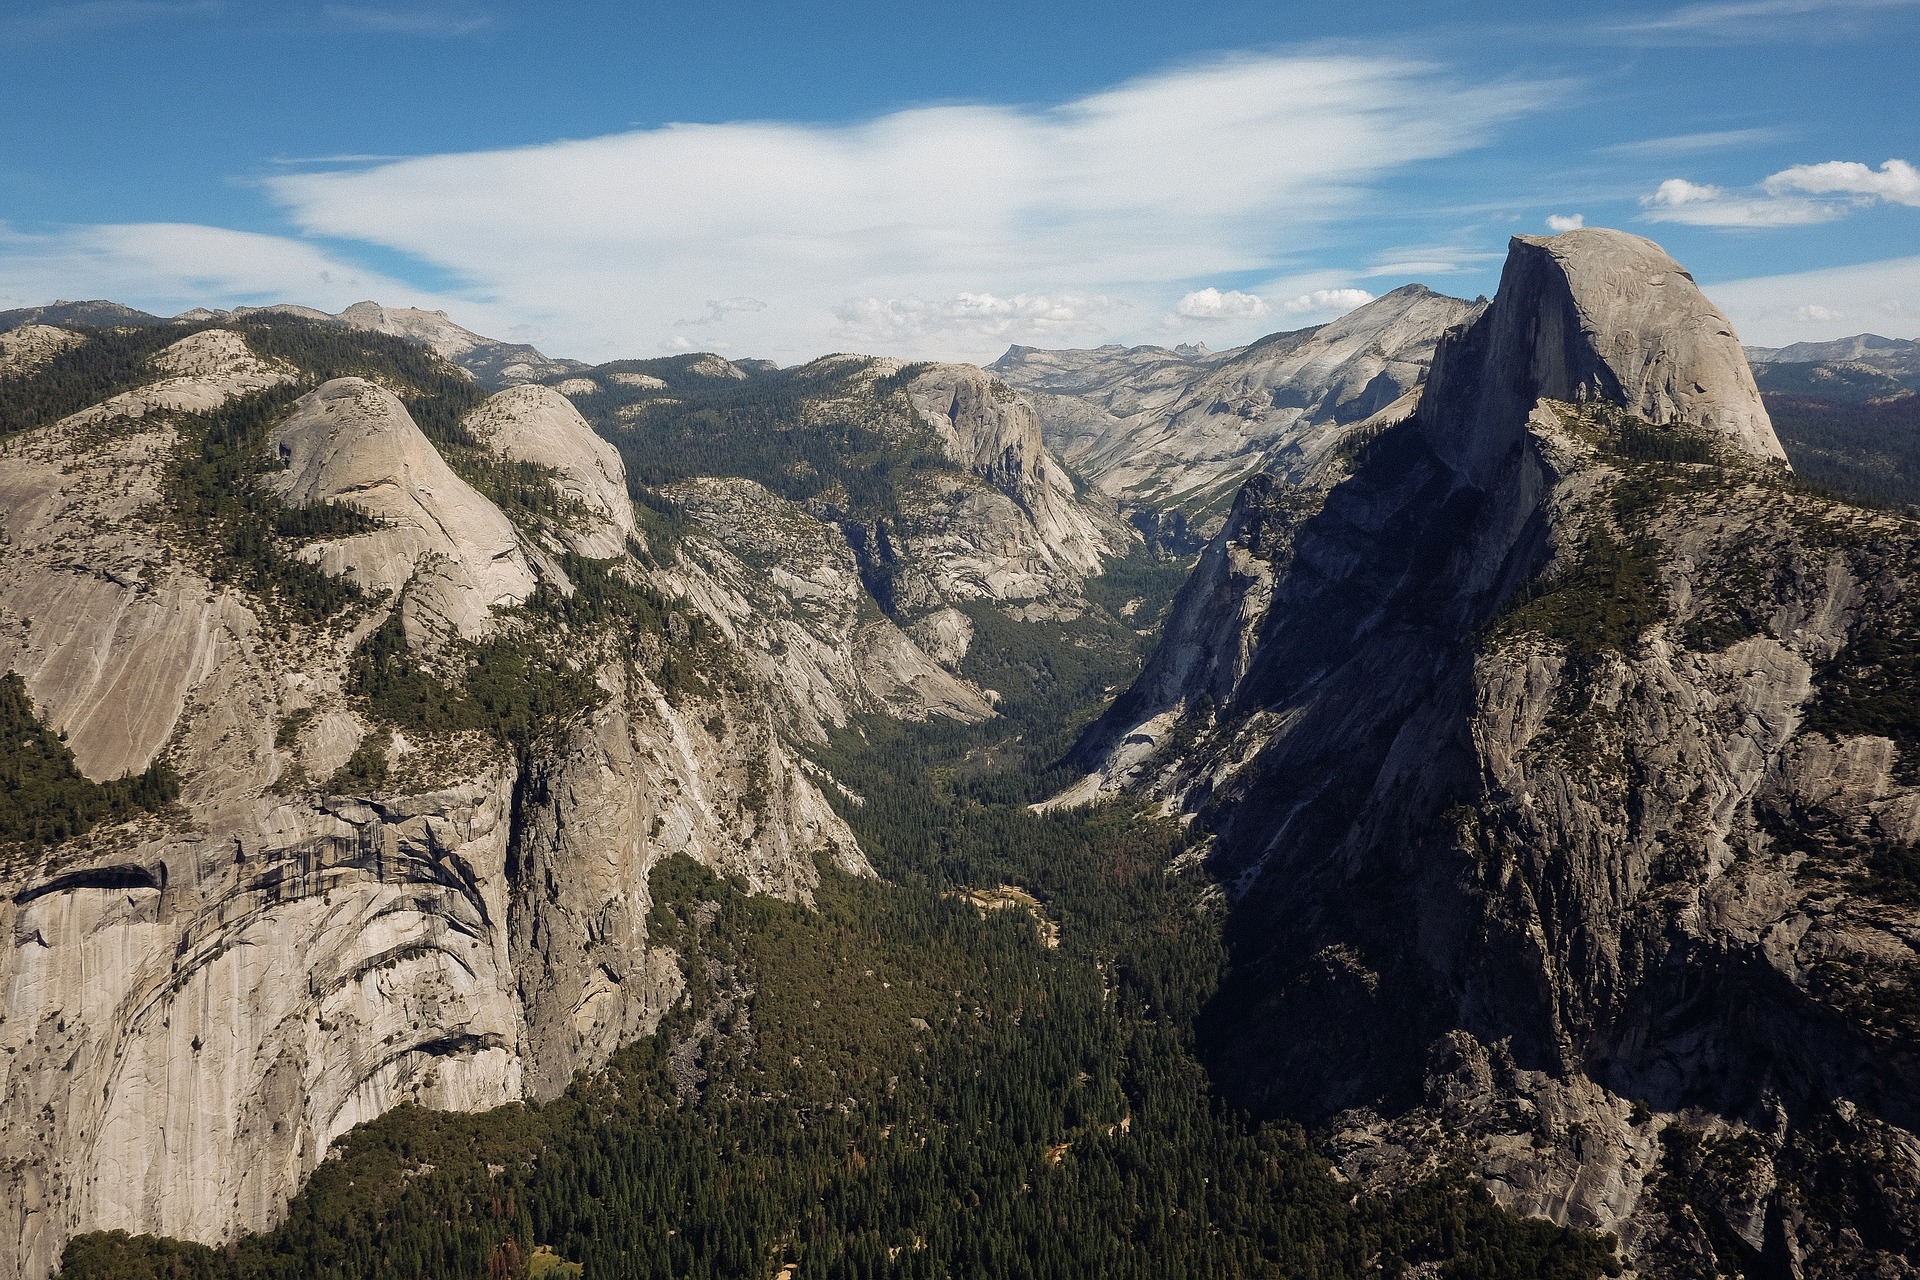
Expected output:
{"points": [[192, 1006], [1182, 428]]}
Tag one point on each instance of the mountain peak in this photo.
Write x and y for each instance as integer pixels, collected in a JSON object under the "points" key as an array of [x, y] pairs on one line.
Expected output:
{"points": [[1594, 312]]}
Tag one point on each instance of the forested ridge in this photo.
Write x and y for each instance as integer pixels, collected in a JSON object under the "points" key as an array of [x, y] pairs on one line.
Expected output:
{"points": [[1866, 451]]}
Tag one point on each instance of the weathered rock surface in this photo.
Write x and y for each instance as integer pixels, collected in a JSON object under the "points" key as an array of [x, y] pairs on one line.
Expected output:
{"points": [[33, 346], [490, 362], [107, 630], [206, 370], [1005, 526], [1182, 429], [539, 425], [993, 432], [1614, 318], [194, 1005], [459, 558], [1496, 877], [788, 590]]}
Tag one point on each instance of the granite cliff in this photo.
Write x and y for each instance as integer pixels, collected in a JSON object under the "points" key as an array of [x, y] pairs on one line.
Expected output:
{"points": [[438, 696], [1560, 781], [1176, 431]]}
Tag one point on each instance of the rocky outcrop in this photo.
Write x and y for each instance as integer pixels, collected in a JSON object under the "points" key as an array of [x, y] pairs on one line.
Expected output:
{"points": [[32, 347], [1611, 317], [993, 432], [539, 425], [195, 1004], [643, 781], [1538, 850], [457, 556], [205, 369], [1006, 526], [109, 633], [1183, 428], [488, 361], [789, 592]]}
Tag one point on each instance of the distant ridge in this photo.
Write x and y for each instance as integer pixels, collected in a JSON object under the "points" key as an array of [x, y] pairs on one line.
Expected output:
{"points": [[99, 313], [492, 363]]}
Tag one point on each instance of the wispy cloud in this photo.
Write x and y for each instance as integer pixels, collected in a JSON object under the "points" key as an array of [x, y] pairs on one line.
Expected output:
{"points": [[719, 310], [350, 157], [1782, 200], [1745, 20], [1681, 144], [1558, 222], [408, 22], [906, 323], [1432, 259], [939, 231]]}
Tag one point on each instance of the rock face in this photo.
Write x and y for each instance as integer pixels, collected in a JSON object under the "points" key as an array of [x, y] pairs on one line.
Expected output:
{"points": [[1009, 528], [539, 425], [1613, 318], [1181, 429], [1542, 837], [192, 1006], [108, 636], [457, 556]]}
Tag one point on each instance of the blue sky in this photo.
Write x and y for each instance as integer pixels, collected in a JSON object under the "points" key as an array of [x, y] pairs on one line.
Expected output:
{"points": [[940, 180]]}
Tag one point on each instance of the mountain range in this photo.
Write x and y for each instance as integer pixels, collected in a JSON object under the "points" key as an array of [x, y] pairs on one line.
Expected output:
{"points": [[1427, 794]]}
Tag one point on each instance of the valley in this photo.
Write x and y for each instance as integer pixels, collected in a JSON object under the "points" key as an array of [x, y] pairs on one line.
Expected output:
{"points": [[1430, 794]]}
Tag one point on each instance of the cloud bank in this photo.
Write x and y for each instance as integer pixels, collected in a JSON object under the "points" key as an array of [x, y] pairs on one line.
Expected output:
{"points": [[1811, 306], [943, 231], [1782, 200]]}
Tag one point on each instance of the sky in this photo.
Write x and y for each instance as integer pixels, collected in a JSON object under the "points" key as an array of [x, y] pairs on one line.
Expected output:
{"points": [[942, 180]]}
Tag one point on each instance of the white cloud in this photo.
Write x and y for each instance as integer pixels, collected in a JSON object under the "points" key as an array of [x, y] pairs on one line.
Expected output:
{"points": [[1226, 167], [1704, 205], [1213, 304], [1557, 222], [1895, 180], [1338, 301], [724, 307], [915, 323], [1812, 306], [1740, 20], [170, 267], [406, 22], [1848, 184], [1690, 143]]}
